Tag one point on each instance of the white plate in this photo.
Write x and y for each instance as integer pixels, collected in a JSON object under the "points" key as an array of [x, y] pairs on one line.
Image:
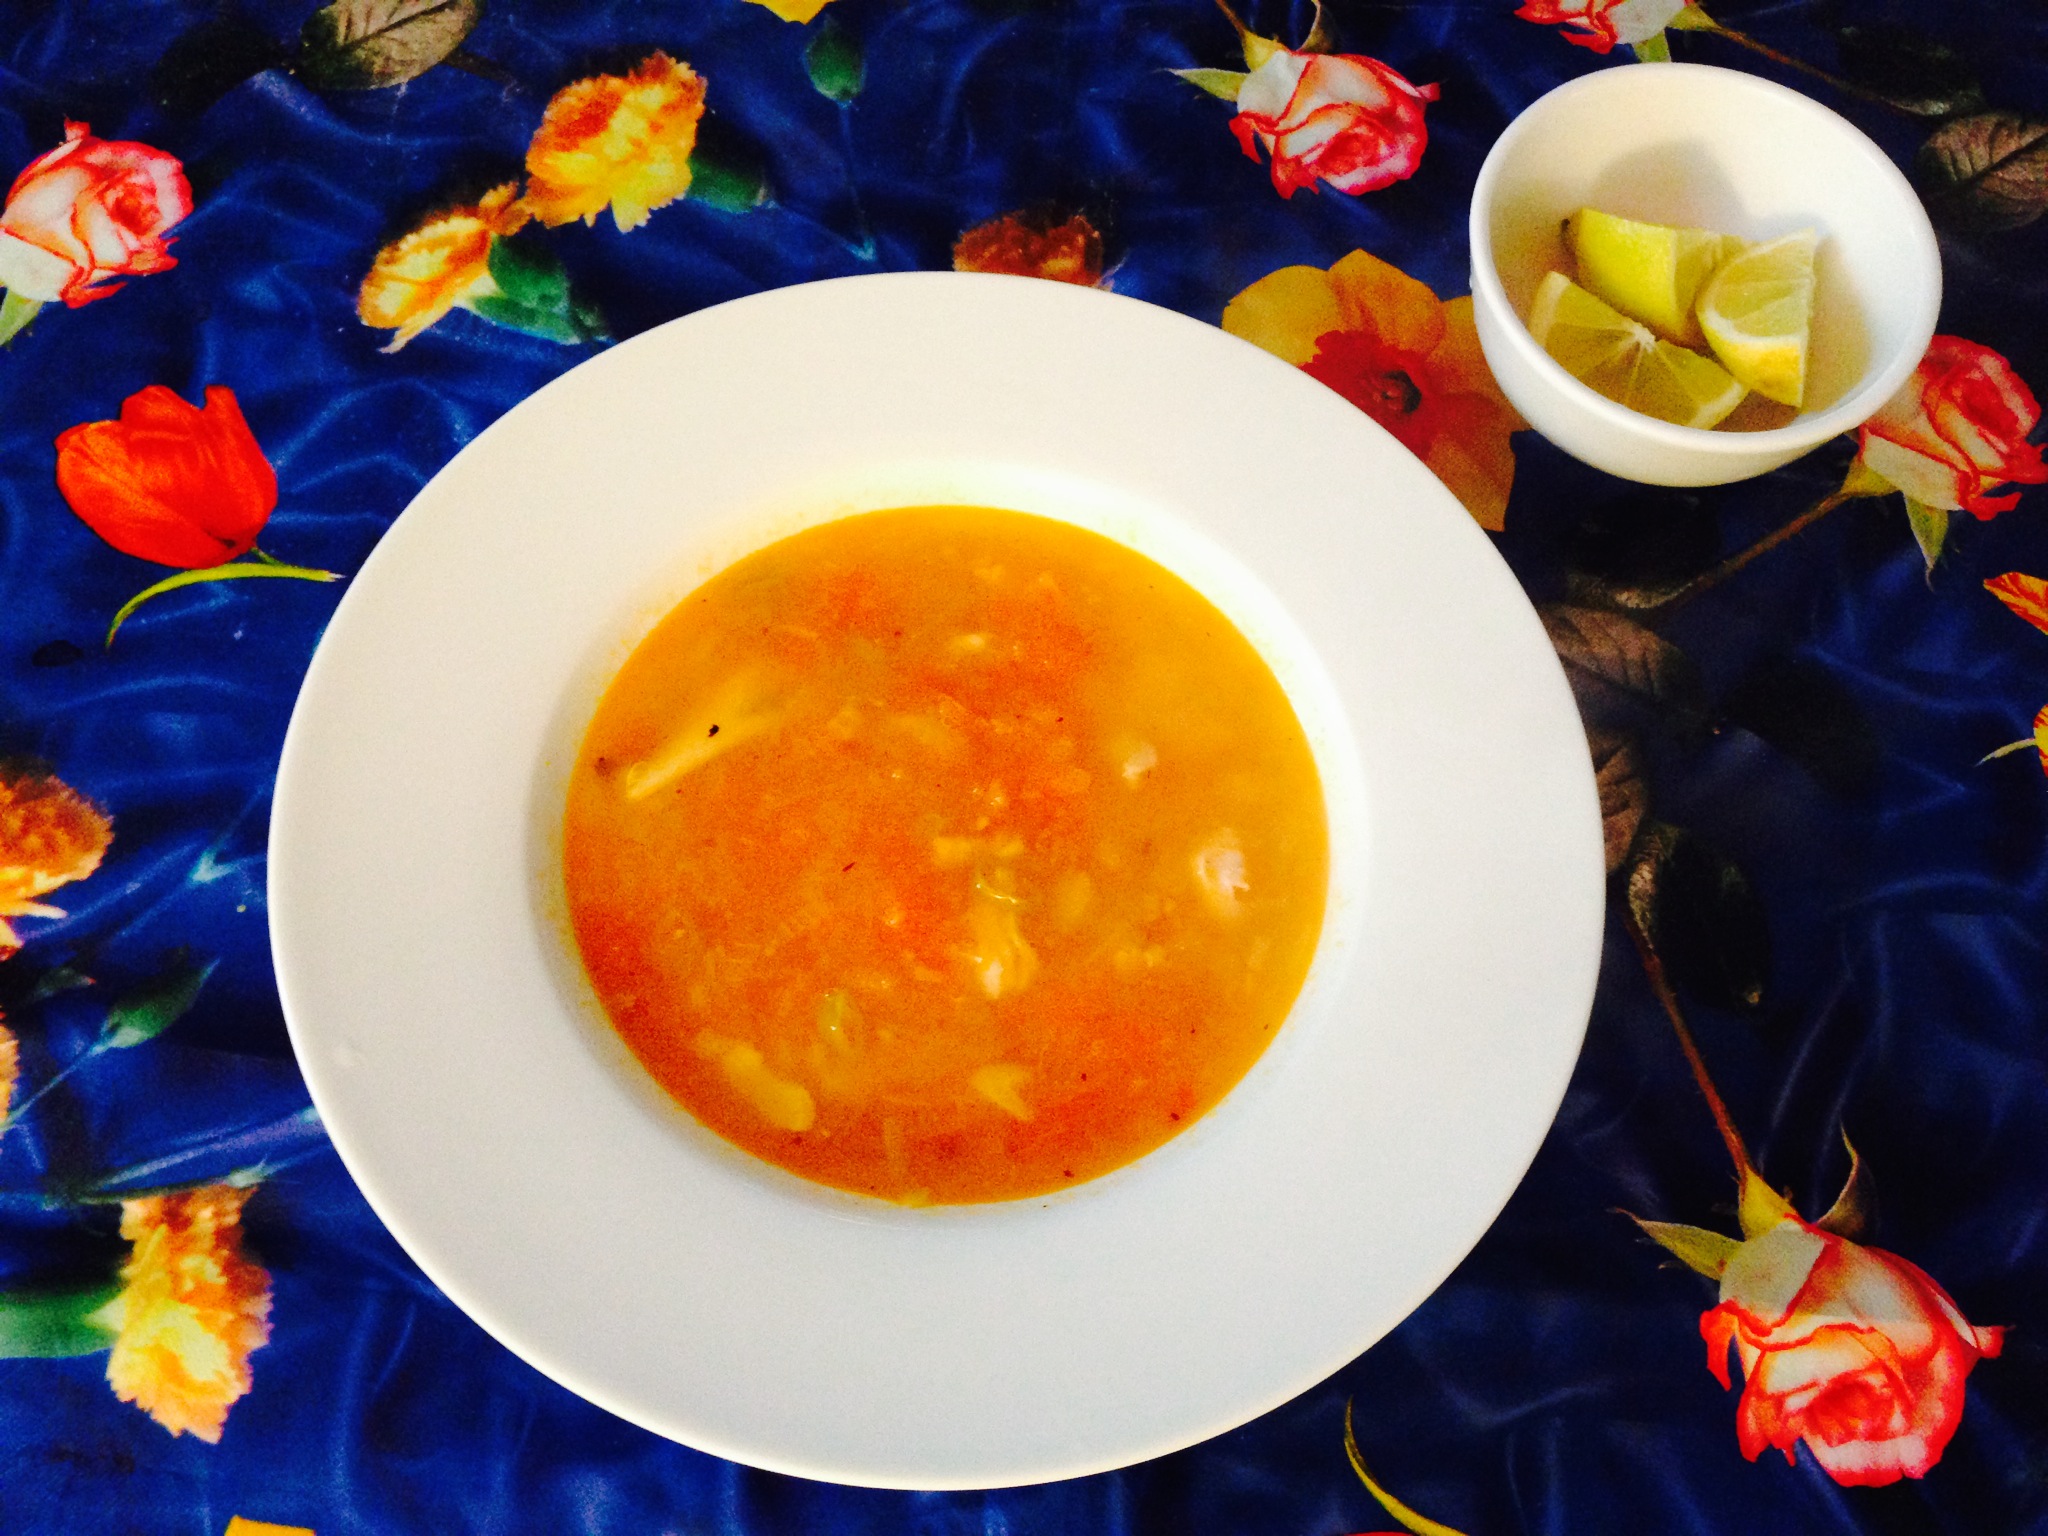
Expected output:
{"points": [[508, 1141]]}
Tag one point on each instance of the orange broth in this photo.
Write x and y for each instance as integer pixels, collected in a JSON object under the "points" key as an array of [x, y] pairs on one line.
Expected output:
{"points": [[946, 854]]}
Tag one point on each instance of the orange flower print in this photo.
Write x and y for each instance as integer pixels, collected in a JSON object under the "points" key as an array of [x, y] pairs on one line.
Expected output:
{"points": [[617, 141], [794, 10], [50, 835], [192, 1309], [2026, 596], [1848, 1349], [1033, 244], [1386, 343], [420, 276]]}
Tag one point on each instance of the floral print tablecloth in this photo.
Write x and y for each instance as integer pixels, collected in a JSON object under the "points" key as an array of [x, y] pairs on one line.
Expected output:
{"points": [[1782, 1264]]}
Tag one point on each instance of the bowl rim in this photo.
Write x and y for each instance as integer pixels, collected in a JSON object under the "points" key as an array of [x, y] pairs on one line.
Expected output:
{"points": [[1846, 414]]}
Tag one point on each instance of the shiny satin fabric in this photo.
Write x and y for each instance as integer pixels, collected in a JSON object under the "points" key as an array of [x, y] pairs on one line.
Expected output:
{"points": [[1895, 927]]}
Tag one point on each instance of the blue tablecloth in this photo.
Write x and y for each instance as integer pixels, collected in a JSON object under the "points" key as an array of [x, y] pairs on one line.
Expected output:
{"points": [[1850, 908]]}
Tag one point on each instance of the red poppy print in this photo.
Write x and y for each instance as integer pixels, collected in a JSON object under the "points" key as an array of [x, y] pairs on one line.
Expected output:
{"points": [[169, 481]]}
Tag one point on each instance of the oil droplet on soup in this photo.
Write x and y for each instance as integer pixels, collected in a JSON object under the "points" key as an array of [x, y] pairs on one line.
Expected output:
{"points": [[946, 854]]}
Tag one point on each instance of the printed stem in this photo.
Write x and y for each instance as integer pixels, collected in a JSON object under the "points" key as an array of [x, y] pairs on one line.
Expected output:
{"points": [[1930, 532], [1698, 21], [84, 1056], [1422, 1525], [239, 1178], [1319, 39], [262, 566], [146, 1178], [1236, 22], [483, 68], [1763, 546], [1661, 985], [865, 250], [2007, 750], [15, 314]]}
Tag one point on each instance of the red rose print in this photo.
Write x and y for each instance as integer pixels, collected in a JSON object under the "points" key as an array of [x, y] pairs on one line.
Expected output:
{"points": [[1339, 118], [1849, 1349], [1957, 430], [89, 210], [1601, 24]]}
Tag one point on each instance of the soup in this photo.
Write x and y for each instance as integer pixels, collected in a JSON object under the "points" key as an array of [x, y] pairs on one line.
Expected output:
{"points": [[946, 854]]}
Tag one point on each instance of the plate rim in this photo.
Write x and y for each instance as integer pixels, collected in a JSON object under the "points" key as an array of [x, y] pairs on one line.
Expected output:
{"points": [[886, 295]]}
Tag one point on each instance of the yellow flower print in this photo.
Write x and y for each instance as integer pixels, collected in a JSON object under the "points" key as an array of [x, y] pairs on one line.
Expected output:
{"points": [[622, 141], [10, 1070], [1386, 343], [50, 835], [191, 1310], [794, 10], [419, 277]]}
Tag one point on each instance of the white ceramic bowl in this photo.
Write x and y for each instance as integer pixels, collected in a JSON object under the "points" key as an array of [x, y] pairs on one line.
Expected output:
{"points": [[463, 1066], [1707, 148]]}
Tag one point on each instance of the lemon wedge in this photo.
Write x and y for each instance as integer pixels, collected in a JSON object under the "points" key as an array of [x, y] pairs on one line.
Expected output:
{"points": [[1625, 360], [1650, 272], [1756, 310]]}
